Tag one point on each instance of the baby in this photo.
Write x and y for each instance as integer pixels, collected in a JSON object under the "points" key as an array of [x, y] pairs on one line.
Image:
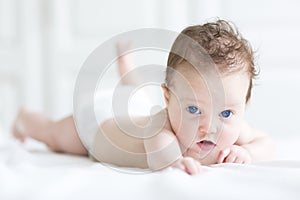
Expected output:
{"points": [[203, 122]]}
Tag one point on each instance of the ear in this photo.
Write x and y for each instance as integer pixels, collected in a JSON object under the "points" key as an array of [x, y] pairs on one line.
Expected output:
{"points": [[166, 93]]}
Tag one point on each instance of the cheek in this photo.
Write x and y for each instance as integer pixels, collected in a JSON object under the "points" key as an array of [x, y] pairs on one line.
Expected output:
{"points": [[228, 136], [187, 132], [184, 128], [175, 118]]}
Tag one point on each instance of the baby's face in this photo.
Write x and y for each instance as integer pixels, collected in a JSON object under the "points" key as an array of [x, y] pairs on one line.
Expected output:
{"points": [[207, 119]]}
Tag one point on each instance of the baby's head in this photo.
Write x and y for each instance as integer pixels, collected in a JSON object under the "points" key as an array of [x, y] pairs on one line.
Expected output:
{"points": [[224, 44], [233, 57]]}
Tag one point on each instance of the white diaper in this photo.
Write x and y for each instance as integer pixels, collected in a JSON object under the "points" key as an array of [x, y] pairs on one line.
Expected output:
{"points": [[139, 104]]}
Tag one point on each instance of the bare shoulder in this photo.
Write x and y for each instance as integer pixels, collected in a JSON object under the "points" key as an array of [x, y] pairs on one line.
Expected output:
{"points": [[160, 134], [248, 134], [136, 131]]}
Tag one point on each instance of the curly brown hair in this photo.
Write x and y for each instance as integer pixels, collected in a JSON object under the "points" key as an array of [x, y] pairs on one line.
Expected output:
{"points": [[224, 44]]}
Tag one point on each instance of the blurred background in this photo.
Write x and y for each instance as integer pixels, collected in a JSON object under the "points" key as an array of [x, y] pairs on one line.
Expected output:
{"points": [[43, 43]]}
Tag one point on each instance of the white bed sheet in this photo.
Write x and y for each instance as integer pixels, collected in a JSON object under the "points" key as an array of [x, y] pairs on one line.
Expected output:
{"points": [[32, 172]]}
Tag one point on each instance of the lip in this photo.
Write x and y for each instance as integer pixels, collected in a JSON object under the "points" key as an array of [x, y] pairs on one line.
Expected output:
{"points": [[206, 145]]}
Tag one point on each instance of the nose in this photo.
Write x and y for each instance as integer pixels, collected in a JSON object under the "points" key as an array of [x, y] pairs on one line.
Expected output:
{"points": [[208, 126]]}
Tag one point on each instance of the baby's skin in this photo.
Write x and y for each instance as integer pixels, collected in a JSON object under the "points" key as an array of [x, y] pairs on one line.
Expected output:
{"points": [[191, 131], [201, 125]]}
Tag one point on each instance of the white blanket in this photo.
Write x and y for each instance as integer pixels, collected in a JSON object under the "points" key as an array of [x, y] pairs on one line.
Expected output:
{"points": [[30, 171]]}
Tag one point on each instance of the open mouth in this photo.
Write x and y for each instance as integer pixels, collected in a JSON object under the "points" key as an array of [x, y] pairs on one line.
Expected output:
{"points": [[206, 145]]}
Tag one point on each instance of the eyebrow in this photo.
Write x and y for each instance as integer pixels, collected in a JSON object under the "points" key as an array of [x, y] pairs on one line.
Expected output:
{"points": [[190, 99], [201, 102], [233, 104]]}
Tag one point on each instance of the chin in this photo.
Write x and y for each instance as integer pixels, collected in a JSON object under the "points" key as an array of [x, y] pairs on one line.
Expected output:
{"points": [[208, 160], [205, 158]]}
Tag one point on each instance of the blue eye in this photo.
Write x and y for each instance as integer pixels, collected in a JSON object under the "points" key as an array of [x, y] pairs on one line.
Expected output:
{"points": [[193, 110], [226, 113]]}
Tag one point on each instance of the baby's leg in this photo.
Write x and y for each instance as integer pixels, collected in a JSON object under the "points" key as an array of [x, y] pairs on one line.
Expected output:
{"points": [[126, 64], [59, 136]]}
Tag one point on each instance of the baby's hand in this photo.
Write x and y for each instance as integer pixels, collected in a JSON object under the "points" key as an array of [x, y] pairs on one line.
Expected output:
{"points": [[189, 165], [234, 154]]}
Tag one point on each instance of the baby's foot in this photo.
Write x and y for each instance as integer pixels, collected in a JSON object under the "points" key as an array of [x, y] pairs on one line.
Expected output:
{"points": [[30, 124], [125, 63], [18, 129]]}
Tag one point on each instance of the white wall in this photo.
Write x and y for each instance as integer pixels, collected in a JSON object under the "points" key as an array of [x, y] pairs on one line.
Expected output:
{"points": [[44, 42]]}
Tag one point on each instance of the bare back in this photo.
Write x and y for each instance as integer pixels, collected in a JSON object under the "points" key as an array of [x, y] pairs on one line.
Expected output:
{"points": [[114, 145]]}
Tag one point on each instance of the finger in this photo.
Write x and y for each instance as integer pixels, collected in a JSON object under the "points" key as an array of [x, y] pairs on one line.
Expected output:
{"points": [[191, 167], [222, 155], [246, 161], [179, 166], [199, 167], [230, 158], [239, 160]]}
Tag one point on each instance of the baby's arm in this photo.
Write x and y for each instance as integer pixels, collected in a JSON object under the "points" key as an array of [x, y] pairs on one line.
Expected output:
{"points": [[163, 151], [259, 145], [251, 146]]}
